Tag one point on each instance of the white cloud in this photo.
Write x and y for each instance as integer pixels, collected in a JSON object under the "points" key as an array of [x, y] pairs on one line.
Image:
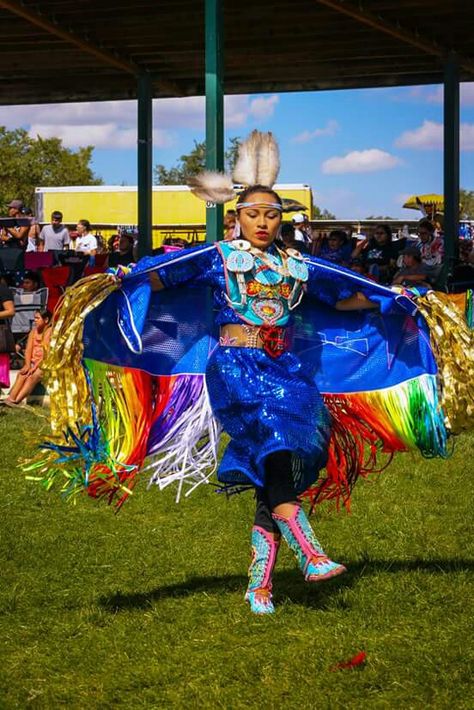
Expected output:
{"points": [[106, 135], [429, 136], [112, 124], [466, 95], [263, 106], [330, 129], [360, 161]]}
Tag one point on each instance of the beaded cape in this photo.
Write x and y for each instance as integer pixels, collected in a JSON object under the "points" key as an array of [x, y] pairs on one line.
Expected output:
{"points": [[127, 373]]}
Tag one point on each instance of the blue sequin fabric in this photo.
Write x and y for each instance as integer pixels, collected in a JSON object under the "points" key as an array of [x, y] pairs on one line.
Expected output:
{"points": [[264, 404]]}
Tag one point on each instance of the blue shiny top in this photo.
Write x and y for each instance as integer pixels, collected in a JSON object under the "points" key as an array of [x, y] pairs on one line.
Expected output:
{"points": [[206, 268], [203, 266]]}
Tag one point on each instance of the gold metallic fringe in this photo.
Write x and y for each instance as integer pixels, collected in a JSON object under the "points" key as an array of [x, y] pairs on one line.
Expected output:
{"points": [[453, 345], [69, 393]]}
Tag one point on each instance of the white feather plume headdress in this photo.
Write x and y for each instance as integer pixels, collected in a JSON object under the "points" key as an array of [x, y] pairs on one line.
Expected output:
{"points": [[258, 163]]}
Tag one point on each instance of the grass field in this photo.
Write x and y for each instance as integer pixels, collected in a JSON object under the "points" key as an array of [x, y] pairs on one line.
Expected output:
{"points": [[145, 609]]}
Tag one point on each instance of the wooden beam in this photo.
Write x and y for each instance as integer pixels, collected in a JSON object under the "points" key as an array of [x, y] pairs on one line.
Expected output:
{"points": [[54, 28], [395, 30]]}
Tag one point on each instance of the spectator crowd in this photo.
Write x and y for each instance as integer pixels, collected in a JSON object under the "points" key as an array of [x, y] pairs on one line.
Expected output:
{"points": [[38, 263]]}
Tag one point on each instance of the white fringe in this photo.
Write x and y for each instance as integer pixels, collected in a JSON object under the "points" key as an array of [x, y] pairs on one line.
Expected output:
{"points": [[187, 455]]}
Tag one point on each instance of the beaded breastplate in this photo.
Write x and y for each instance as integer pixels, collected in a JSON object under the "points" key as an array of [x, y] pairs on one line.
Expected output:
{"points": [[262, 286]]}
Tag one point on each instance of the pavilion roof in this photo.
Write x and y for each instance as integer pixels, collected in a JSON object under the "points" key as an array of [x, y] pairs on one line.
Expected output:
{"points": [[72, 50]]}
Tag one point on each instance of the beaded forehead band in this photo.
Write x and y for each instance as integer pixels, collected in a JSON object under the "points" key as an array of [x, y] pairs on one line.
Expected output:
{"points": [[269, 205]]}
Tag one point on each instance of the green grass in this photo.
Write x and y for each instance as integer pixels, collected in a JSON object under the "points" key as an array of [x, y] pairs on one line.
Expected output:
{"points": [[145, 609]]}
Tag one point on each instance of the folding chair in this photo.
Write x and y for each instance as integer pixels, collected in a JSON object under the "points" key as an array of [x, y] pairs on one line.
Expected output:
{"points": [[55, 279], [35, 260], [26, 304]]}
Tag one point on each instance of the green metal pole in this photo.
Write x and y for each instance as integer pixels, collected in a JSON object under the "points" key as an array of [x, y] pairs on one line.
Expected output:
{"points": [[145, 184], [214, 109], [451, 162]]}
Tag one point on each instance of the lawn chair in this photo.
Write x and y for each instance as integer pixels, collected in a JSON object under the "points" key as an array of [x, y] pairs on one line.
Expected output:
{"points": [[26, 304], [55, 279], [35, 260]]}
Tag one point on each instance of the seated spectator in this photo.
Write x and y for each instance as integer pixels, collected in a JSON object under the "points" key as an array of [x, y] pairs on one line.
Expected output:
{"points": [[463, 272], [85, 242], [413, 272], [113, 243], [335, 248], [15, 237], [360, 267], [36, 348], [302, 229], [287, 236], [31, 282], [380, 253], [124, 256], [431, 247], [54, 236]]}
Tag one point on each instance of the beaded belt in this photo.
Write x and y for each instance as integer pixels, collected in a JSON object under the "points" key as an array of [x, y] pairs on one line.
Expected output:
{"points": [[271, 338]]}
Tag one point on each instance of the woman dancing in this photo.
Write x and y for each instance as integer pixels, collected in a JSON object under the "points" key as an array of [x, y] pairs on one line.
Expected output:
{"points": [[162, 388]]}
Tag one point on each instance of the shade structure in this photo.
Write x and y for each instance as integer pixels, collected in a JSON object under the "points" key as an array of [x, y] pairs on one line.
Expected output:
{"points": [[69, 50], [420, 202]]}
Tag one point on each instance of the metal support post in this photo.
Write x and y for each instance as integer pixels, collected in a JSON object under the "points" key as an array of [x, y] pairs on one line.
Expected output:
{"points": [[145, 183], [451, 162], [214, 109]]}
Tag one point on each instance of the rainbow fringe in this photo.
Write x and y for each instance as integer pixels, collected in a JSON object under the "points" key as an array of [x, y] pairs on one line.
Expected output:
{"points": [[165, 426], [133, 415], [368, 424]]}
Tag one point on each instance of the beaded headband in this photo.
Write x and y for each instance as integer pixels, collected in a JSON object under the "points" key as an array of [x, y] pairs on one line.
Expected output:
{"points": [[270, 205]]}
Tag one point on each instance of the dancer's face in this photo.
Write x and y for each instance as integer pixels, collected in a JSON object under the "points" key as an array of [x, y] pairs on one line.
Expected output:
{"points": [[259, 224]]}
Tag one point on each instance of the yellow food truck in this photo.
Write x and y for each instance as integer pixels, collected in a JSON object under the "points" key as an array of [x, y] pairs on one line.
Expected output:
{"points": [[176, 211]]}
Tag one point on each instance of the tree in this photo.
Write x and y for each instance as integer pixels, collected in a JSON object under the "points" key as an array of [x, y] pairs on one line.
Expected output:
{"points": [[318, 213], [192, 163], [466, 199], [379, 217], [26, 163]]}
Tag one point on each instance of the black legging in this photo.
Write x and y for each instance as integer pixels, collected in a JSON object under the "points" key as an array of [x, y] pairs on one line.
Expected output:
{"points": [[279, 488]]}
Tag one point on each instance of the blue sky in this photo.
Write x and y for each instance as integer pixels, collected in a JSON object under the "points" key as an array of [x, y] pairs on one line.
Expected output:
{"points": [[362, 151]]}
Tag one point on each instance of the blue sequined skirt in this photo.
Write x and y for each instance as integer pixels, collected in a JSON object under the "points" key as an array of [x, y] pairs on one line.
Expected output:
{"points": [[265, 405]]}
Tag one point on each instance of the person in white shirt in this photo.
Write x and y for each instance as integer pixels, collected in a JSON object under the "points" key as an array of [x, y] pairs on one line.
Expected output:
{"points": [[302, 231], [85, 242]]}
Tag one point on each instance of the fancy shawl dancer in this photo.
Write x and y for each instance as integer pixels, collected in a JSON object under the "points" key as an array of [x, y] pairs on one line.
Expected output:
{"points": [[305, 365]]}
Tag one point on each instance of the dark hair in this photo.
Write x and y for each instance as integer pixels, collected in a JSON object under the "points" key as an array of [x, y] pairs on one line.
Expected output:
{"points": [[32, 276], [128, 237], [287, 230], [339, 233], [426, 224], [27, 210], [358, 261], [45, 314], [231, 213], [111, 240], [56, 214], [85, 223], [385, 228], [243, 197]]}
